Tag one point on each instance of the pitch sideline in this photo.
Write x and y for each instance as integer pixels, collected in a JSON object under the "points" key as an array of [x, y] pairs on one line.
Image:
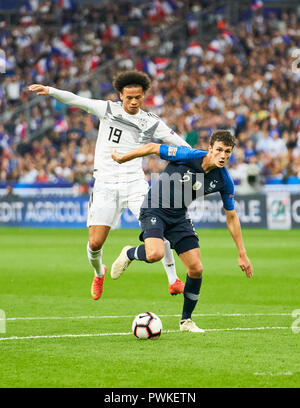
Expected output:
{"points": [[132, 316], [55, 336]]}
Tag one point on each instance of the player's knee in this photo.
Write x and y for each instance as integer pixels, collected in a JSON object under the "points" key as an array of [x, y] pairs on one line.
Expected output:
{"points": [[94, 244], [195, 270], [154, 255]]}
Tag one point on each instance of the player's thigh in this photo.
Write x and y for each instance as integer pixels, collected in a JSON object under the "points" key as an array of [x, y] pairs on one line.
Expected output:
{"points": [[104, 207], [192, 261], [97, 236], [153, 235], [136, 195], [182, 235]]}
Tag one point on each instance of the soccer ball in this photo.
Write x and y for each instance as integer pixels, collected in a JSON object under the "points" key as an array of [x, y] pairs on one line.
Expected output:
{"points": [[147, 326]]}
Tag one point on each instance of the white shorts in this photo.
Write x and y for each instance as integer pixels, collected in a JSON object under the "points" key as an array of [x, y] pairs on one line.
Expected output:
{"points": [[108, 201]]}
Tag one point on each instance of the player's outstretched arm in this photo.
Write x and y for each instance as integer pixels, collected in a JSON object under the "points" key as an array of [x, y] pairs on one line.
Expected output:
{"points": [[94, 106], [234, 226], [149, 148]]}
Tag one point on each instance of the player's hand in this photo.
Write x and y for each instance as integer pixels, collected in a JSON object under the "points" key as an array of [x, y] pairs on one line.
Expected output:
{"points": [[116, 156], [40, 89], [245, 265]]}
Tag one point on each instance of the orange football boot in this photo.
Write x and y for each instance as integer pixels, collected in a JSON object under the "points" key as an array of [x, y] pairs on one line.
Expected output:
{"points": [[97, 285], [176, 288]]}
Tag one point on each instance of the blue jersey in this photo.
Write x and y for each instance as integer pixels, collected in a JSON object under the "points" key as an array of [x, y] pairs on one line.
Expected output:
{"points": [[185, 164]]}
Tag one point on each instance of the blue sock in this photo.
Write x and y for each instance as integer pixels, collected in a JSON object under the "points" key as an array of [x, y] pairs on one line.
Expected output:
{"points": [[137, 253], [191, 295]]}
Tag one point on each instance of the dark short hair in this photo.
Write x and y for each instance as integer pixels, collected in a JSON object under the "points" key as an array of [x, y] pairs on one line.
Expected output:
{"points": [[131, 79], [224, 136]]}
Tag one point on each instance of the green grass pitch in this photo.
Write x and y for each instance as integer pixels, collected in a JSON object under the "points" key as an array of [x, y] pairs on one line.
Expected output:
{"points": [[62, 338]]}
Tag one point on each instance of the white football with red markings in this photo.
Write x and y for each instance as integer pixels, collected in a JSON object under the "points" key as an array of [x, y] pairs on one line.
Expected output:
{"points": [[147, 326]]}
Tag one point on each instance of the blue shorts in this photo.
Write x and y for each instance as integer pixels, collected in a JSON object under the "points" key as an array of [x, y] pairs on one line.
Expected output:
{"points": [[179, 232]]}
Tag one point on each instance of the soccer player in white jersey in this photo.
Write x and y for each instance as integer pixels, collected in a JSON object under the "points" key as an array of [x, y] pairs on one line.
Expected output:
{"points": [[126, 126]]}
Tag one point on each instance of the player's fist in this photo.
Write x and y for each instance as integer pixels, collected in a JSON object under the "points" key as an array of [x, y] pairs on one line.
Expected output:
{"points": [[39, 89], [116, 156], [245, 265]]}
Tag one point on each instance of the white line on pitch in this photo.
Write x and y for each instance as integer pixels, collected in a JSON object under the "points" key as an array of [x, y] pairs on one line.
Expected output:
{"points": [[132, 316], [56, 336]]}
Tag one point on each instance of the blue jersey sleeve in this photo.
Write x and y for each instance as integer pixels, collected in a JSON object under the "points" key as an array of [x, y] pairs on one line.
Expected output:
{"points": [[180, 153], [227, 193]]}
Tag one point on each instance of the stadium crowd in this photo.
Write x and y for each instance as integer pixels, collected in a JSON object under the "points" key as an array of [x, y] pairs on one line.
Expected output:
{"points": [[245, 79]]}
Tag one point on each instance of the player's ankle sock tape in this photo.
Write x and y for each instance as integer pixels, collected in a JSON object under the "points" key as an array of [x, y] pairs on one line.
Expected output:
{"points": [[138, 253], [191, 295], [94, 254]]}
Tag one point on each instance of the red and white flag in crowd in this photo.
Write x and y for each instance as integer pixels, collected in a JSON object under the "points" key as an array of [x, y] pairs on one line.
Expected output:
{"points": [[214, 46], [156, 11], [152, 101], [161, 64], [94, 62], [195, 49]]}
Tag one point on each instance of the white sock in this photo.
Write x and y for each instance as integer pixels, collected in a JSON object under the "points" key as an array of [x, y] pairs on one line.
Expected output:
{"points": [[169, 263], [95, 259]]}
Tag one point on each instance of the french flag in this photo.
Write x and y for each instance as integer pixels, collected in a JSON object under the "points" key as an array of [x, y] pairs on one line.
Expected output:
{"points": [[43, 66], [30, 5], [59, 48], [67, 41], [147, 66], [256, 4], [5, 64], [229, 37], [156, 11], [66, 4], [192, 26], [195, 49], [168, 6], [61, 125], [113, 31]]}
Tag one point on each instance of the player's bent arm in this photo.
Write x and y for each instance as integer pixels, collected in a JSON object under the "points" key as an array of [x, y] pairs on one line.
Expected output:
{"points": [[93, 106], [145, 150], [180, 153], [234, 227]]}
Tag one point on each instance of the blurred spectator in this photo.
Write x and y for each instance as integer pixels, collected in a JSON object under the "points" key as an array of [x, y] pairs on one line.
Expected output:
{"points": [[9, 192]]}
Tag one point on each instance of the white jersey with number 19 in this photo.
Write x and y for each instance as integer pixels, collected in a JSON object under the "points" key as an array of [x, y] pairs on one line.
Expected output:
{"points": [[121, 131]]}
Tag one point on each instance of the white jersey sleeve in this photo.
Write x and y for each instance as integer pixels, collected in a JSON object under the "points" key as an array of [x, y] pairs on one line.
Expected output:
{"points": [[94, 106], [168, 136]]}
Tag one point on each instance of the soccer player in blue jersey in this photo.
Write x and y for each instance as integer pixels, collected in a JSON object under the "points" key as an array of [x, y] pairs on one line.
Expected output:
{"points": [[158, 220]]}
